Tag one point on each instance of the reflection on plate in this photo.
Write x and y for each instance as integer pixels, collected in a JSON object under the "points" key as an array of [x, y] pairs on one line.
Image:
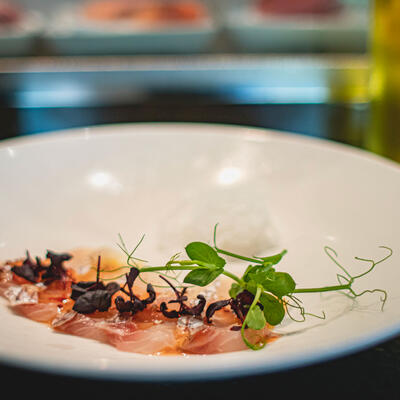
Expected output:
{"points": [[267, 189]]}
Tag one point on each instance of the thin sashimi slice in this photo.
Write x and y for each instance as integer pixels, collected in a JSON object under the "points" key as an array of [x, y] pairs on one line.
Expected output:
{"points": [[211, 340], [24, 300], [222, 336], [153, 340], [6, 279], [85, 326], [4, 286], [41, 312], [124, 334]]}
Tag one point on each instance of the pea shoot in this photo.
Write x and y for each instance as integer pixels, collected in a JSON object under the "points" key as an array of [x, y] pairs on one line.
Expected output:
{"points": [[273, 293]]}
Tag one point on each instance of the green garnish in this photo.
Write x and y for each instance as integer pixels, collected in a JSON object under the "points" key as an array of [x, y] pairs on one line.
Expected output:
{"points": [[274, 291]]}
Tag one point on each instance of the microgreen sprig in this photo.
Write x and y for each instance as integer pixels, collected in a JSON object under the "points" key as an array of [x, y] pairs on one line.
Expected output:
{"points": [[274, 292]]}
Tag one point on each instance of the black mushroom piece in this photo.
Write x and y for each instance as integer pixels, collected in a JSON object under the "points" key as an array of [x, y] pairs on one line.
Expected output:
{"points": [[28, 270], [91, 296], [213, 307], [134, 304], [34, 271], [239, 305], [94, 298], [83, 287], [184, 309], [56, 270]]}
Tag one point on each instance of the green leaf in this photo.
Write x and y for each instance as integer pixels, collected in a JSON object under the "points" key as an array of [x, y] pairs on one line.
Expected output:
{"points": [[199, 251], [262, 272], [255, 318], [278, 283], [273, 259], [202, 276], [273, 309], [235, 290], [281, 285]]}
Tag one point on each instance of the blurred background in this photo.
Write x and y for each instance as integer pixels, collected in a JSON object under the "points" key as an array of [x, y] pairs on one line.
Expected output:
{"points": [[298, 65]]}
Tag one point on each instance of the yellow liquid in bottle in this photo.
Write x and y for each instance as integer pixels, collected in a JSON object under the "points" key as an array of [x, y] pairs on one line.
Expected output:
{"points": [[383, 136]]}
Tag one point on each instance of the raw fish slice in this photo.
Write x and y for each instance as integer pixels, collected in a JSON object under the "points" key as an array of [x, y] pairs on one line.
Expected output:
{"points": [[219, 337], [84, 326], [147, 341], [211, 340], [41, 312], [124, 334], [24, 301]]}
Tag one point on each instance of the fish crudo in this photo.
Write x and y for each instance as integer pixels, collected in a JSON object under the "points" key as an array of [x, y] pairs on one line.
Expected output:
{"points": [[141, 308]]}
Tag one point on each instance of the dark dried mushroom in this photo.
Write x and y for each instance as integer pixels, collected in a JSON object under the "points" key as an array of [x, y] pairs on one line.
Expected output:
{"points": [[168, 313], [91, 296], [213, 307], [122, 305], [56, 270], [80, 288], [239, 305], [184, 309], [29, 270], [152, 294], [197, 309], [134, 304], [112, 287], [236, 328], [96, 300]]}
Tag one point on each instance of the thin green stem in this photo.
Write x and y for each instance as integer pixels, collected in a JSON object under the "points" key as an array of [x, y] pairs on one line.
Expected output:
{"points": [[242, 330], [373, 263], [239, 257], [233, 276], [169, 268], [323, 289], [187, 268]]}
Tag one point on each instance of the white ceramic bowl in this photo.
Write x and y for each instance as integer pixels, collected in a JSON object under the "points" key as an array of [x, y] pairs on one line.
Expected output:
{"points": [[269, 190]]}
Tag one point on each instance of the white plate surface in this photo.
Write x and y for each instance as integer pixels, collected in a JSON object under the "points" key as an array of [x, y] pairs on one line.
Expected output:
{"points": [[268, 190]]}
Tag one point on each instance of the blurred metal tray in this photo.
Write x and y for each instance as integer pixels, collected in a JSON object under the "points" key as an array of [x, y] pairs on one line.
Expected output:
{"points": [[223, 78]]}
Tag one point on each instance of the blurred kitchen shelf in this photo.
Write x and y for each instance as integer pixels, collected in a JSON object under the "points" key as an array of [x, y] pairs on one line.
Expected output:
{"points": [[217, 79]]}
